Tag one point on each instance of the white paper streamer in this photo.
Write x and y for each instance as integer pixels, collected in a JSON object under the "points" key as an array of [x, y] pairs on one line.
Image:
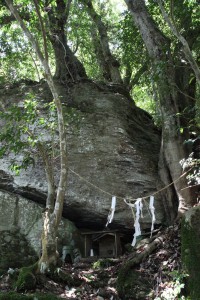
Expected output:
{"points": [[152, 210], [141, 207], [138, 205], [112, 210]]}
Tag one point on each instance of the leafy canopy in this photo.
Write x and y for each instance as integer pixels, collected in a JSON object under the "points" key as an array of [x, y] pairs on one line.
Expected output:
{"points": [[18, 61]]}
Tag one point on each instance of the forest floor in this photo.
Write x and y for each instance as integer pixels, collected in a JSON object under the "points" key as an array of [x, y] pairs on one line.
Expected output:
{"points": [[98, 280]]}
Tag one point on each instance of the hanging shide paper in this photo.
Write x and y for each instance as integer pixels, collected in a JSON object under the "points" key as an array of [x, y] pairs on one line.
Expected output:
{"points": [[138, 206], [112, 210], [152, 210]]}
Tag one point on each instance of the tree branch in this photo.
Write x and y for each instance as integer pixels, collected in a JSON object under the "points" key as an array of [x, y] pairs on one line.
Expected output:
{"points": [[108, 58], [30, 37], [138, 75], [67, 9], [44, 36], [5, 20], [186, 48]]}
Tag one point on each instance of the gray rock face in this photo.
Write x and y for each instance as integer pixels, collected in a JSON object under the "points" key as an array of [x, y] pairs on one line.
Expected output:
{"points": [[15, 251], [114, 149], [21, 216]]}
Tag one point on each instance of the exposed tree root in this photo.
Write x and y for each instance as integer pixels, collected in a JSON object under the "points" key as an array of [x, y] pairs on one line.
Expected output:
{"points": [[129, 280]]}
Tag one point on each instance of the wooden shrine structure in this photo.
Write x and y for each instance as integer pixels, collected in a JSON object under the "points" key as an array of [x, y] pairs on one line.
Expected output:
{"points": [[105, 243]]}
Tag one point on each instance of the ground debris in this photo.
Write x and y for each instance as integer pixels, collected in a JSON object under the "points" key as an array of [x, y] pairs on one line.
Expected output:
{"points": [[97, 282]]}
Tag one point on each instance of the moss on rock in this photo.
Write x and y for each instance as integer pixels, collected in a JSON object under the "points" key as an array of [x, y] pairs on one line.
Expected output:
{"points": [[26, 279]]}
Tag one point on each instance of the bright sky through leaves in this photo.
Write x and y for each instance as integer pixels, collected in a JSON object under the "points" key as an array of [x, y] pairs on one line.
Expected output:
{"points": [[118, 5]]}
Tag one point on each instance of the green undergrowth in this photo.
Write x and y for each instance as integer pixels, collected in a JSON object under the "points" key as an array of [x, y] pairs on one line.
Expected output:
{"points": [[26, 279], [17, 296], [102, 263]]}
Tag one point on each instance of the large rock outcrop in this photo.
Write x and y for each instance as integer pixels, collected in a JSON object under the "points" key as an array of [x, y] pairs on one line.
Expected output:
{"points": [[113, 147], [20, 231]]}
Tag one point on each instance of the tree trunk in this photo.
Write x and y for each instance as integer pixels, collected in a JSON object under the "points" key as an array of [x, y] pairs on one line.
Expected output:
{"points": [[172, 151], [68, 67], [51, 219], [107, 58], [105, 70], [49, 257], [186, 48], [49, 171]]}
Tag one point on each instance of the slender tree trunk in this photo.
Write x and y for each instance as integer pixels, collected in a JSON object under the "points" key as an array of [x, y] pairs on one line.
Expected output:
{"points": [[107, 58], [172, 151], [186, 48], [49, 175], [49, 257], [51, 219], [104, 67]]}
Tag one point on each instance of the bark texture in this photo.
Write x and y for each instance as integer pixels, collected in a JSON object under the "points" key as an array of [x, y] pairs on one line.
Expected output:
{"points": [[51, 219], [108, 63], [49, 257], [68, 67], [172, 151]]}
